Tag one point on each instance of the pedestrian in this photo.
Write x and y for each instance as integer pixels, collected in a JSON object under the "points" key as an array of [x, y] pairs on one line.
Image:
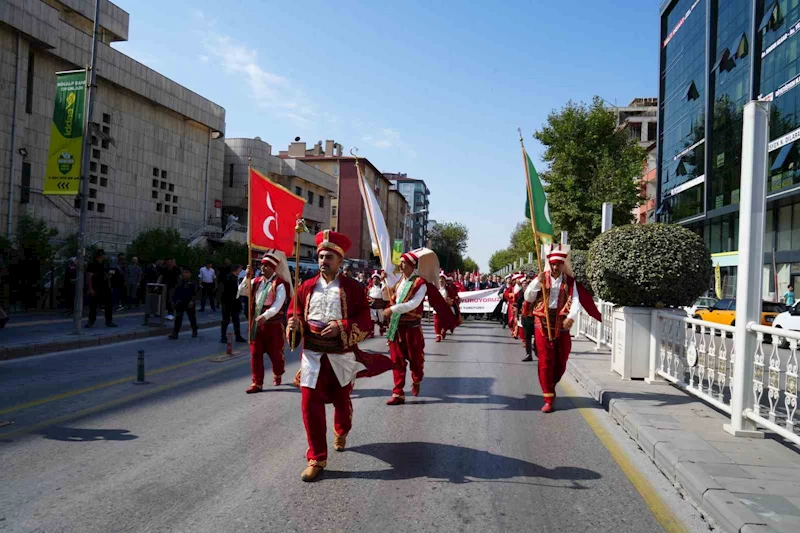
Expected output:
{"points": [[183, 301], [208, 277], [268, 301], [118, 288], [525, 312], [169, 276], [133, 280], [788, 296], [329, 317], [98, 289], [231, 305], [362, 279]]}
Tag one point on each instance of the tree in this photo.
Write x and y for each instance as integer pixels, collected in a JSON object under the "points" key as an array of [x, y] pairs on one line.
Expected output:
{"points": [[502, 258], [470, 265], [590, 162], [449, 241]]}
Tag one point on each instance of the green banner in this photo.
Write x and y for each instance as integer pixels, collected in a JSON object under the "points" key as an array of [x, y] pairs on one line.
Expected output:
{"points": [[397, 251], [63, 172]]}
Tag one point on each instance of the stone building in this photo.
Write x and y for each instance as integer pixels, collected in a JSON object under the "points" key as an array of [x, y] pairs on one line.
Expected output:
{"points": [[317, 187], [347, 213], [417, 195], [158, 156]]}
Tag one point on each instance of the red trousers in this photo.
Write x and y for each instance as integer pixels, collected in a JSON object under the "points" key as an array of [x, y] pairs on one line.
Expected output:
{"points": [[407, 349], [313, 402], [269, 339], [437, 325], [553, 357], [512, 318]]}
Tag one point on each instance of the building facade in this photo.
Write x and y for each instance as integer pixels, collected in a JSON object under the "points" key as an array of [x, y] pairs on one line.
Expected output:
{"points": [[715, 57], [157, 158], [312, 184], [347, 213], [417, 195], [640, 120]]}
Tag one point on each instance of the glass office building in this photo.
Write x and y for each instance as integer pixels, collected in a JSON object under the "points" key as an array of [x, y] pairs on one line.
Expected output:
{"points": [[715, 56]]}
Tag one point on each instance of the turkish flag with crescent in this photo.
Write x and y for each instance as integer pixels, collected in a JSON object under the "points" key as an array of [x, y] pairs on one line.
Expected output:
{"points": [[273, 214]]}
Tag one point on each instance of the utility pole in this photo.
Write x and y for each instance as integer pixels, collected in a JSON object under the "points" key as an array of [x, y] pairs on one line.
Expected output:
{"points": [[87, 139]]}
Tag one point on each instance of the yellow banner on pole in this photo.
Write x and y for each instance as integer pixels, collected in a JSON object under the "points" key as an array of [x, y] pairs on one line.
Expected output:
{"points": [[718, 282], [63, 170]]}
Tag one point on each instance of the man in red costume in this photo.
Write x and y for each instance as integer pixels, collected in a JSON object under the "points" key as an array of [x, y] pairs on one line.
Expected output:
{"points": [[564, 299], [331, 314], [269, 297], [378, 298], [449, 292]]}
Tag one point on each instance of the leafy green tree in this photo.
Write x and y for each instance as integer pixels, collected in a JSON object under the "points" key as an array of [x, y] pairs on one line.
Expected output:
{"points": [[34, 241], [501, 258], [590, 162], [449, 241], [470, 265]]}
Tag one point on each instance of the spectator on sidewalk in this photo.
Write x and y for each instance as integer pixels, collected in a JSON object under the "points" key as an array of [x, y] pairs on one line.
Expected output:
{"points": [[231, 305], [133, 280], [183, 301], [149, 275], [208, 277], [788, 296], [117, 277], [169, 276], [99, 290]]}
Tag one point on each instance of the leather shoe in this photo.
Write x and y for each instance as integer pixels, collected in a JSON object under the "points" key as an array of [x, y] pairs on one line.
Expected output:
{"points": [[396, 400], [296, 381], [276, 380], [415, 389], [339, 442], [253, 389], [311, 472], [438, 338], [528, 359], [548, 408]]}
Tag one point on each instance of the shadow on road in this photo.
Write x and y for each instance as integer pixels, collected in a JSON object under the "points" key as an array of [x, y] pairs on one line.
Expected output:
{"points": [[86, 435], [455, 464]]}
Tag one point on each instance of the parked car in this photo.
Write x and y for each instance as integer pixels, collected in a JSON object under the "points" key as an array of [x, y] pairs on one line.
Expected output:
{"points": [[704, 302], [790, 320], [724, 312]]}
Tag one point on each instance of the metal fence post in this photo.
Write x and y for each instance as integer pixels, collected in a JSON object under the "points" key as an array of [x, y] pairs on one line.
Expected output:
{"points": [[752, 205]]}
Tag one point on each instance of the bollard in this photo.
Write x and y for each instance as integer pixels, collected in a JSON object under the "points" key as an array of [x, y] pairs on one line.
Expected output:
{"points": [[229, 349], [140, 368]]}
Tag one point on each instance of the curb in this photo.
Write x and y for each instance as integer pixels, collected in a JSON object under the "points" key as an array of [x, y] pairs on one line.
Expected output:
{"points": [[39, 348], [727, 511]]}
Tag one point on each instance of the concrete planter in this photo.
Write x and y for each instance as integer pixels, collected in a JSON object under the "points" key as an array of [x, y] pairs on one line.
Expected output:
{"points": [[631, 340]]}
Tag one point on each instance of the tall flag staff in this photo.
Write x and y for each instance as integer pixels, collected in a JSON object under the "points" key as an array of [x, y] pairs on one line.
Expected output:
{"points": [[531, 212]]}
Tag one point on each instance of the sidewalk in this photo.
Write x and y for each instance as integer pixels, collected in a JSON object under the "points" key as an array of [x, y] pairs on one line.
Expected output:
{"points": [[744, 485], [37, 333]]}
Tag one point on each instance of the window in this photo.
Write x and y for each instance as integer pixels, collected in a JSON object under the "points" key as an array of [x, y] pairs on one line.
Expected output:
{"points": [[334, 209], [95, 153], [163, 174], [154, 195], [163, 185], [29, 87], [155, 173], [167, 197], [92, 179], [174, 209], [174, 199], [158, 207], [785, 228], [94, 140], [93, 166], [771, 17], [691, 92], [92, 193], [106, 118], [105, 143], [298, 191], [25, 185], [171, 187], [77, 202], [321, 201], [106, 130], [310, 197], [90, 206], [230, 175], [155, 184], [104, 182], [103, 169], [101, 208]]}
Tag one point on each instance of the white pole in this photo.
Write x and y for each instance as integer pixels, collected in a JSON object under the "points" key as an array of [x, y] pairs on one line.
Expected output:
{"points": [[564, 238], [608, 209], [752, 206], [655, 333]]}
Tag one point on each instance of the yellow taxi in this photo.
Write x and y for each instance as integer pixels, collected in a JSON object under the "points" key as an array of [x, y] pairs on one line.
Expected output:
{"points": [[724, 312]]}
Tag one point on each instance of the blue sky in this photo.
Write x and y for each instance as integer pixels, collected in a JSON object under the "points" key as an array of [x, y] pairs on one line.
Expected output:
{"points": [[432, 88]]}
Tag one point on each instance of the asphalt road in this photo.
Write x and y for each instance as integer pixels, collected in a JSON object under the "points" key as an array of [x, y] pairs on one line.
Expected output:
{"points": [[88, 451]]}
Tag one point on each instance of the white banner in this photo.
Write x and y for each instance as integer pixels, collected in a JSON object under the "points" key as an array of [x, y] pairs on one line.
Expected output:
{"points": [[485, 301]]}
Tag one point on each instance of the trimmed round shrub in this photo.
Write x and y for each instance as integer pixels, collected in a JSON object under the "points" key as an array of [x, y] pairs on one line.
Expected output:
{"points": [[649, 265], [579, 258]]}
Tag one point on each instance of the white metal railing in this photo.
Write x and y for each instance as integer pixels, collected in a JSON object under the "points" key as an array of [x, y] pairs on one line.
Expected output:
{"points": [[599, 332], [698, 357]]}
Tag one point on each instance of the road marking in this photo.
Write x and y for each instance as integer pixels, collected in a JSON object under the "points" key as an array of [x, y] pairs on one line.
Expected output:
{"points": [[59, 321], [113, 403], [663, 515], [92, 388]]}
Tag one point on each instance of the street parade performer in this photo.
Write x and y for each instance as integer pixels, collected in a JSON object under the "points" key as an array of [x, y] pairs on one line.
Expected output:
{"points": [[378, 298], [406, 343], [525, 312], [450, 295], [270, 298], [565, 299], [330, 314]]}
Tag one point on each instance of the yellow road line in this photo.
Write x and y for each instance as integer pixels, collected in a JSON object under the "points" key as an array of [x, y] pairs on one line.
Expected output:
{"points": [[92, 388], [663, 515], [111, 404], [59, 321]]}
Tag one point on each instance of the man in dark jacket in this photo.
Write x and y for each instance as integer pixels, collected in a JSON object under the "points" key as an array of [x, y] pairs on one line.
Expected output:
{"points": [[231, 305], [183, 300]]}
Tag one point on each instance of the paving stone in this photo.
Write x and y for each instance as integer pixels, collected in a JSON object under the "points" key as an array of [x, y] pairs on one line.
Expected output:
{"points": [[633, 422], [729, 511], [756, 528], [667, 457], [772, 472], [725, 470], [619, 409], [647, 438], [774, 510], [695, 480], [758, 486]]}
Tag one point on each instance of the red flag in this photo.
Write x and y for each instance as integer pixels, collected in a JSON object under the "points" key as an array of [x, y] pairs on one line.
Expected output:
{"points": [[273, 214]]}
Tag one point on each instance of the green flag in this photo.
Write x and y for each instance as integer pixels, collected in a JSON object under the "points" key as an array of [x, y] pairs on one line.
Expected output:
{"points": [[544, 227]]}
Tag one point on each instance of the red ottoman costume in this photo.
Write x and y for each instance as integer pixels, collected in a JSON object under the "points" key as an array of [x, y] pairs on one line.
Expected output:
{"points": [[449, 292]]}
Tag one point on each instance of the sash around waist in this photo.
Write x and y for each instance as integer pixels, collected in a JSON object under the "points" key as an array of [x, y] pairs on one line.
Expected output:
{"points": [[317, 343]]}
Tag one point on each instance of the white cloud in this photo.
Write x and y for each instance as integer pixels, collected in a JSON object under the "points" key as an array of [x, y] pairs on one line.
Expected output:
{"points": [[385, 138]]}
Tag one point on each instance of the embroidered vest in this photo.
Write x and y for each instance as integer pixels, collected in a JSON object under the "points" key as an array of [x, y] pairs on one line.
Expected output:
{"points": [[413, 317], [270, 298], [562, 307]]}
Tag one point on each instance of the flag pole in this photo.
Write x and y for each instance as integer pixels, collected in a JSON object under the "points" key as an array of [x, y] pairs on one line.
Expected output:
{"points": [[250, 304], [298, 229], [535, 235]]}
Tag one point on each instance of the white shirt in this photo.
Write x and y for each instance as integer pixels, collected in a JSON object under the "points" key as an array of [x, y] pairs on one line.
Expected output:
{"points": [[326, 306], [207, 275], [277, 305], [413, 303], [555, 287], [378, 292]]}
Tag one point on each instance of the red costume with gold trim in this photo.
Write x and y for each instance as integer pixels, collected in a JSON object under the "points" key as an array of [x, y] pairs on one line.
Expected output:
{"points": [[408, 346], [269, 335]]}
